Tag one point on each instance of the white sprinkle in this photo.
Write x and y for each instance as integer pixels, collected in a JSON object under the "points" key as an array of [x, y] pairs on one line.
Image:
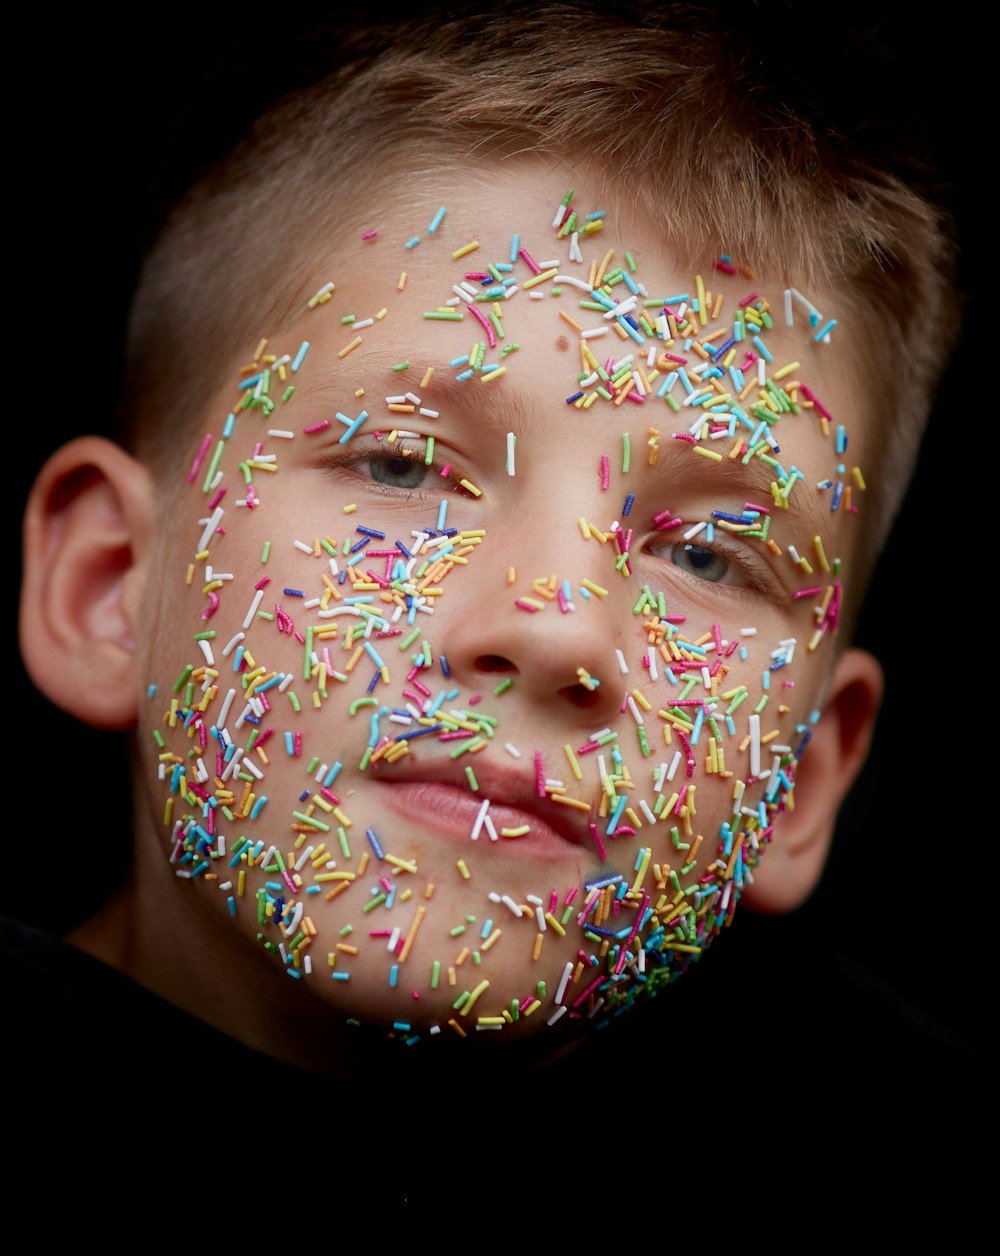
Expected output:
{"points": [[429, 414], [225, 708], [509, 903], [673, 765], [594, 332], [206, 649], [301, 545], [693, 532], [210, 527], [280, 433], [754, 745], [567, 973], [512, 750], [484, 806], [254, 606]]}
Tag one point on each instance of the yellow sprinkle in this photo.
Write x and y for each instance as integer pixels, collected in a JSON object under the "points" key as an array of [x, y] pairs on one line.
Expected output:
{"points": [[536, 950], [491, 939], [466, 248], [463, 868], [594, 588], [571, 321], [584, 529], [859, 479], [347, 348], [820, 553], [350, 508], [483, 985], [702, 312], [707, 453], [541, 277], [573, 764], [511, 575], [467, 484], [785, 370], [576, 803], [491, 375], [554, 924], [518, 832], [642, 700], [412, 933]]}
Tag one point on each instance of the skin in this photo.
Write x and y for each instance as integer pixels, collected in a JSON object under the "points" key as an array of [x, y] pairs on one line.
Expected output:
{"points": [[177, 933]]}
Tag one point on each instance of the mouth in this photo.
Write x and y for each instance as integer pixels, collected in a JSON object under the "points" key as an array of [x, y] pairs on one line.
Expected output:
{"points": [[506, 811]]}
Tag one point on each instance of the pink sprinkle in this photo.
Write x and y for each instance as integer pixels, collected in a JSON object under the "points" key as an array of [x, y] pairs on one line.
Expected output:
{"points": [[809, 592], [764, 510], [476, 698], [199, 457], [636, 396], [446, 471], [590, 746], [369, 235], [212, 607], [602, 853], [727, 268], [568, 900], [529, 261], [685, 436], [553, 901], [811, 396], [266, 735], [672, 357], [330, 796], [747, 300], [521, 604], [564, 606], [669, 523], [491, 335], [605, 471], [217, 497], [477, 276], [316, 427], [539, 775], [459, 734], [585, 994]]}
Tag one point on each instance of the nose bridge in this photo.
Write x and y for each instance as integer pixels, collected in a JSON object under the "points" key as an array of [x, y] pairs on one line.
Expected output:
{"points": [[556, 610]]}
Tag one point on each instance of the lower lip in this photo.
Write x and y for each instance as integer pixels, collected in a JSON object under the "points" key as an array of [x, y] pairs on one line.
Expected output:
{"points": [[451, 812]]}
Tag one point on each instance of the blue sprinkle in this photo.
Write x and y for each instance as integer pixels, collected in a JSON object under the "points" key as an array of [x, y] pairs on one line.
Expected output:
{"points": [[627, 508], [436, 221], [412, 242], [375, 845], [300, 356], [293, 593]]}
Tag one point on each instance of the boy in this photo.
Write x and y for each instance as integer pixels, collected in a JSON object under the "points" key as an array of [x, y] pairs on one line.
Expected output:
{"points": [[489, 653]]}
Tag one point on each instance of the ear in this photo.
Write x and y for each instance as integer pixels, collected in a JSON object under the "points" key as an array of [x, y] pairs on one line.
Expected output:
{"points": [[87, 530], [793, 862]]}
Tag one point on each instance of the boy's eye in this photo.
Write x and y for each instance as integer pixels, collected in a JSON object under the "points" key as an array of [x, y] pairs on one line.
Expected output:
{"points": [[396, 471], [705, 564]]}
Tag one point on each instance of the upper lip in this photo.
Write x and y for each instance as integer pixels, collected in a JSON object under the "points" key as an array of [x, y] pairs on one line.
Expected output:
{"points": [[503, 787]]}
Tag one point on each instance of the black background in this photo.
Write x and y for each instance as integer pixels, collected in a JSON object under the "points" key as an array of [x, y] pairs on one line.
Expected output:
{"points": [[104, 120]]}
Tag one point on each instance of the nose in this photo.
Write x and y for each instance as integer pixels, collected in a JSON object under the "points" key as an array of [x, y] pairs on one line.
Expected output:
{"points": [[554, 641]]}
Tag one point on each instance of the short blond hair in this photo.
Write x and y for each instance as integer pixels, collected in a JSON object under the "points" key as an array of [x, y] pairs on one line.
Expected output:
{"points": [[675, 108]]}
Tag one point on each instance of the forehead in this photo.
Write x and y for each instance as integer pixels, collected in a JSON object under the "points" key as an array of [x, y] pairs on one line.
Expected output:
{"points": [[497, 293]]}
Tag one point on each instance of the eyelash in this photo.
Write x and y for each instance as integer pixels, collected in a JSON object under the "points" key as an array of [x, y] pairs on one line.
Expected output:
{"points": [[363, 451], [760, 579]]}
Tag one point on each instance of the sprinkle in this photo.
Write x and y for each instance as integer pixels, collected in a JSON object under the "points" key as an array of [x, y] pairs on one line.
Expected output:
{"points": [[465, 250]]}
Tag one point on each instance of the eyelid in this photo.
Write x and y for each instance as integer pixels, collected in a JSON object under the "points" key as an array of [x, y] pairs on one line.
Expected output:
{"points": [[761, 574], [367, 449]]}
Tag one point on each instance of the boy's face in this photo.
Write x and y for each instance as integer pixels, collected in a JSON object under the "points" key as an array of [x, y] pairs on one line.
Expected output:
{"points": [[476, 713]]}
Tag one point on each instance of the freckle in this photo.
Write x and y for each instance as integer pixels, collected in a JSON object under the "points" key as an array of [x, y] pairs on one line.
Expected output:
{"points": [[562, 343]]}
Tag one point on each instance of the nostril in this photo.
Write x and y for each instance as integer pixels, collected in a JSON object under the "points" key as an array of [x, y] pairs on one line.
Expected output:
{"points": [[494, 663], [580, 696]]}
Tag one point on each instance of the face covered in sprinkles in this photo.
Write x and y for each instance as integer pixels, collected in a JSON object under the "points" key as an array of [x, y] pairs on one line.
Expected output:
{"points": [[494, 616]]}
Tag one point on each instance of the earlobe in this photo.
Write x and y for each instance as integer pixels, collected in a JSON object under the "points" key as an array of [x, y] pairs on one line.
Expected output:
{"points": [[795, 858], [87, 529]]}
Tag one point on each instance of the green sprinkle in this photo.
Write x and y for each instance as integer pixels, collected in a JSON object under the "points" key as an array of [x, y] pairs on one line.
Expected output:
{"points": [[294, 701], [213, 466], [344, 844], [449, 316], [470, 776], [287, 394], [158, 738], [409, 639], [265, 615], [342, 933], [630, 262], [429, 455], [373, 903], [456, 931], [311, 821], [182, 678], [313, 763], [265, 552], [204, 636], [402, 366], [503, 686], [435, 974]]}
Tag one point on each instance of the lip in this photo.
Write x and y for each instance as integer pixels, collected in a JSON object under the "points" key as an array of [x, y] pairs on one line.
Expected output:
{"points": [[431, 796]]}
